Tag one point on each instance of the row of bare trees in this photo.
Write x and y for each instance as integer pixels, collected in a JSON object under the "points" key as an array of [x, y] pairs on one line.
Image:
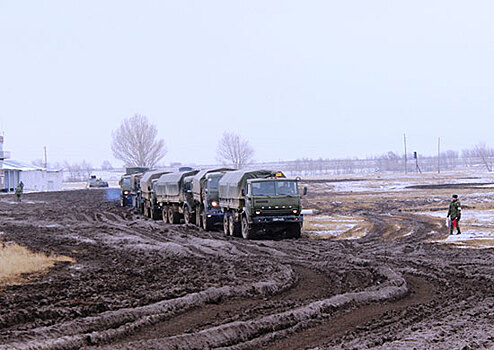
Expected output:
{"points": [[135, 143], [479, 156]]}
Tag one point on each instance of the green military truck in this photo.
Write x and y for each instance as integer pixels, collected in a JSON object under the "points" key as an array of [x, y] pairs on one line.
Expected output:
{"points": [[204, 210], [172, 193], [149, 205], [260, 201]]}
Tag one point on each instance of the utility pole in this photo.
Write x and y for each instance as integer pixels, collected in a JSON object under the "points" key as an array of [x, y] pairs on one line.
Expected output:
{"points": [[439, 155], [46, 159], [406, 157]]}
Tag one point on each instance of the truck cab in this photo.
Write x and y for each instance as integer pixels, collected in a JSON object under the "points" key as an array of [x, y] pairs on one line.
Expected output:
{"points": [[270, 201], [125, 191], [212, 214]]}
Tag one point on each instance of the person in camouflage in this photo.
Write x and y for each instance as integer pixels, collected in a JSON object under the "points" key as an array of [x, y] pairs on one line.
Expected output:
{"points": [[454, 214], [18, 190]]}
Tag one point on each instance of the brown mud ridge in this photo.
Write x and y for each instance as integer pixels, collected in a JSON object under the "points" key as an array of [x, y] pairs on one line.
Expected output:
{"points": [[139, 283]]}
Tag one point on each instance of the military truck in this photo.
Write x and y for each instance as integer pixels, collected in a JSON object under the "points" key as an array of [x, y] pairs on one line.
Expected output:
{"points": [[135, 190], [204, 210], [260, 201], [125, 188], [149, 205], [172, 193]]}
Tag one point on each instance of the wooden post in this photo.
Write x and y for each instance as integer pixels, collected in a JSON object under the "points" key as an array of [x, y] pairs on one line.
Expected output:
{"points": [[46, 159]]}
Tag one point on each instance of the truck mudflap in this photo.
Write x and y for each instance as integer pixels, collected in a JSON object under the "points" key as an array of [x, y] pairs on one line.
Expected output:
{"points": [[276, 219]]}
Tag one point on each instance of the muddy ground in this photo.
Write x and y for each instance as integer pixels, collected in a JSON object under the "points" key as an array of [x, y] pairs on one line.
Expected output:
{"points": [[138, 283]]}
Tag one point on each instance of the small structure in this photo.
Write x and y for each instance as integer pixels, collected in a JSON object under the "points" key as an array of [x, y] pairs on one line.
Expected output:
{"points": [[34, 178]]}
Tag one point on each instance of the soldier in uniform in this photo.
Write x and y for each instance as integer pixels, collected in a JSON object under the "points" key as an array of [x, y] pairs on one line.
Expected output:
{"points": [[454, 214], [18, 190]]}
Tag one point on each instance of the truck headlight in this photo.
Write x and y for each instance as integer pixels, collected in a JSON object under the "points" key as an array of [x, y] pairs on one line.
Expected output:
{"points": [[258, 212], [214, 204], [295, 211], [126, 192]]}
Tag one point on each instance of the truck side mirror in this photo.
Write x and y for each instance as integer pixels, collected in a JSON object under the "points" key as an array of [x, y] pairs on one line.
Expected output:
{"points": [[305, 190], [243, 192]]}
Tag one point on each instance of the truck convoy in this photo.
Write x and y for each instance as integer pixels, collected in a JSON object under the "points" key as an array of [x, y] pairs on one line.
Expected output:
{"points": [[245, 202]]}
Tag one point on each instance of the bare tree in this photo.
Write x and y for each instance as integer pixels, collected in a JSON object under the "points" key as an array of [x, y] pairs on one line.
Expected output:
{"points": [[135, 143], [485, 154], [106, 165], [86, 169], [234, 150]]}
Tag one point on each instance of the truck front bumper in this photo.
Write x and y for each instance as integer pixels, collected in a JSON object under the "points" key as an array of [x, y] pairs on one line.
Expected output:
{"points": [[277, 219], [214, 216]]}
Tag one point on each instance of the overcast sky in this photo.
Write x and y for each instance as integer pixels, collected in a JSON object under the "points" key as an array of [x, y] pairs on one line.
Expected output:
{"points": [[296, 78]]}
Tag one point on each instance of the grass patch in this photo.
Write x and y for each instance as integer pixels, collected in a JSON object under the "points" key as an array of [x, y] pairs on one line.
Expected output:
{"points": [[16, 261]]}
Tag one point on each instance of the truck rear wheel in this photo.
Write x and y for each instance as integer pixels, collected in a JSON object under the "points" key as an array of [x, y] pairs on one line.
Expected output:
{"points": [[246, 230], [173, 216], [234, 226], [188, 216], [164, 213], [226, 224]]}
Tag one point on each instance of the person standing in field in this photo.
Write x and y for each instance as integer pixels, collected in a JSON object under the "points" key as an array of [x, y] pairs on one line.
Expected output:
{"points": [[18, 190], [454, 214]]}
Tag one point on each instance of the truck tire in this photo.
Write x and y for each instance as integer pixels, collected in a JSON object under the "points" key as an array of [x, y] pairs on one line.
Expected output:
{"points": [[234, 227], [246, 230], [294, 230], [198, 217], [155, 213], [164, 215], [188, 216], [226, 224], [206, 223], [173, 216]]}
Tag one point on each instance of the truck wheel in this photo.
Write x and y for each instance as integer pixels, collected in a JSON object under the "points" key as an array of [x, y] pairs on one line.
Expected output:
{"points": [[198, 217], [234, 227], [164, 213], [171, 215], [246, 232], [293, 230], [206, 224], [188, 216], [226, 224], [155, 213]]}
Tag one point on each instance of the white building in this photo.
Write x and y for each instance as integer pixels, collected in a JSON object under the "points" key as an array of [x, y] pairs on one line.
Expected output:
{"points": [[34, 178]]}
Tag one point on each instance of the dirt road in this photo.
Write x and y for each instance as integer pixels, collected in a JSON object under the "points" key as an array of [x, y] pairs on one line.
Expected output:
{"points": [[138, 283]]}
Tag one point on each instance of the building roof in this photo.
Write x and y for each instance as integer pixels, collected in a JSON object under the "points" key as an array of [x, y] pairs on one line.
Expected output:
{"points": [[10, 164]]}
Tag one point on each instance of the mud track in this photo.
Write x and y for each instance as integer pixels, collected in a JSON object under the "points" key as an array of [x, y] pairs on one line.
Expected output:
{"points": [[138, 283]]}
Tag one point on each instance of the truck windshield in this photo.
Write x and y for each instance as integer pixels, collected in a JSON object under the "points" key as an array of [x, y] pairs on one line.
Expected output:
{"points": [[126, 182], [272, 188], [213, 182]]}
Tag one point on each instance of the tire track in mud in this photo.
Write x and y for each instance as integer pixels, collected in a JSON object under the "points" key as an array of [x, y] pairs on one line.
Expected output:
{"points": [[328, 294], [252, 333]]}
